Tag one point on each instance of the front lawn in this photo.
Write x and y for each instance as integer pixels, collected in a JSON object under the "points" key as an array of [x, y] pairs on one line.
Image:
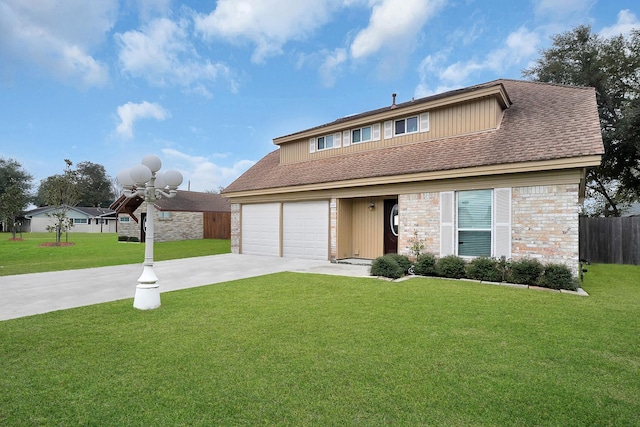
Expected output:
{"points": [[91, 250], [302, 349]]}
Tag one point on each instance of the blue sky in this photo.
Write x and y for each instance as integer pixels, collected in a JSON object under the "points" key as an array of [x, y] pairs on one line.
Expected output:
{"points": [[207, 85]]}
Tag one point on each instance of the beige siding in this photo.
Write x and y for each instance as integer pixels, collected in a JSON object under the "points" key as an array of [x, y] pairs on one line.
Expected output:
{"points": [[367, 231], [479, 115]]}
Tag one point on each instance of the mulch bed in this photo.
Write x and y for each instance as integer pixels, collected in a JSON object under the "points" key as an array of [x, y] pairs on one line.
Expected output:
{"points": [[49, 244]]}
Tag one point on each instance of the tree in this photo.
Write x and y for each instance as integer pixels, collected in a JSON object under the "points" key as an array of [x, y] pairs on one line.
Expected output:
{"points": [[612, 67], [61, 192], [15, 185], [95, 185]]}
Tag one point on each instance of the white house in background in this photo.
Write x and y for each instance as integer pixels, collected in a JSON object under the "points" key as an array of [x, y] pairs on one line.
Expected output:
{"points": [[85, 220]]}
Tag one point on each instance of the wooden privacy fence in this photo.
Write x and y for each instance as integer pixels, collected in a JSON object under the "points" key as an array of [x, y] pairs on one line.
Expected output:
{"points": [[217, 225], [610, 240]]}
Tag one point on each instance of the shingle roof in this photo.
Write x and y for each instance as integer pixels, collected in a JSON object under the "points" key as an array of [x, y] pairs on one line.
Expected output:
{"points": [[544, 122], [89, 211], [193, 201]]}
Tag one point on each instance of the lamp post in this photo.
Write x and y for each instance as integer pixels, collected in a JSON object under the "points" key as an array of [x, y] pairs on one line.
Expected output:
{"points": [[145, 180]]}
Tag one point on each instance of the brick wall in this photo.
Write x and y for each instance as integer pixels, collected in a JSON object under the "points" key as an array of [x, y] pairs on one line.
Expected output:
{"points": [[545, 224], [333, 231], [419, 213], [235, 228]]}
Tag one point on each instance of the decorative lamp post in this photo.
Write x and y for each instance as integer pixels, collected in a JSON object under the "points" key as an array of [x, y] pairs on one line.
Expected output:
{"points": [[145, 180]]}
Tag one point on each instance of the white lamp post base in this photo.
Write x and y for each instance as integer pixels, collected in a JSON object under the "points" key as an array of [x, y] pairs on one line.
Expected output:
{"points": [[147, 297]]}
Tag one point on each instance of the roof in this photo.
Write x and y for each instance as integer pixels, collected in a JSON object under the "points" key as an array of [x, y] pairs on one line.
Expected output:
{"points": [[184, 201], [88, 211], [544, 122]]}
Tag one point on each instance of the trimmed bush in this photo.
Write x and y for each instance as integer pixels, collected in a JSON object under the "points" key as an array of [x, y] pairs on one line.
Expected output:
{"points": [[525, 271], [451, 266], [386, 266], [402, 260], [133, 239], [484, 268], [425, 265], [558, 276], [123, 238]]}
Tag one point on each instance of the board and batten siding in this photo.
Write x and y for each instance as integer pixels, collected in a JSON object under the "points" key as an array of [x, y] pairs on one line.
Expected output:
{"points": [[476, 116]]}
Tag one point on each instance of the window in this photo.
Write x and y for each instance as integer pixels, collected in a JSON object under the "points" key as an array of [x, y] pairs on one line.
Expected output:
{"points": [[361, 135], [408, 125], [79, 220], [124, 219], [164, 215], [325, 142], [474, 214]]}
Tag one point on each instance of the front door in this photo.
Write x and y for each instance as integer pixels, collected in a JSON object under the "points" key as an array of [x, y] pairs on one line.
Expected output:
{"points": [[390, 222]]}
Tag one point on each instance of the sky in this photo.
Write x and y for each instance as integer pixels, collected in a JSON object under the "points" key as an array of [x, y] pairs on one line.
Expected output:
{"points": [[208, 85]]}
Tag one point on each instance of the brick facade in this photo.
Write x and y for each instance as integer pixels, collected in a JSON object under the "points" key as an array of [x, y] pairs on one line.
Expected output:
{"points": [[235, 228], [179, 226], [545, 224], [419, 213]]}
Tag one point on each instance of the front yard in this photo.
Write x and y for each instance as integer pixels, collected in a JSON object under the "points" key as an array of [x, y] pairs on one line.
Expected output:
{"points": [[302, 349]]}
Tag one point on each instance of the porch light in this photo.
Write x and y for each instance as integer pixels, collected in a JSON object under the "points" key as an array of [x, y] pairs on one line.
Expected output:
{"points": [[145, 180], [371, 206]]}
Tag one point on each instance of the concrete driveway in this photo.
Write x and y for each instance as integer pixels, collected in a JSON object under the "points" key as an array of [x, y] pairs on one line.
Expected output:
{"points": [[29, 294]]}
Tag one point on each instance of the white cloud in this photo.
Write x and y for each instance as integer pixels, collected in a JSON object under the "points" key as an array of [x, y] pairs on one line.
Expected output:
{"points": [[627, 21], [561, 8], [518, 47], [130, 112], [162, 54], [393, 24], [40, 34], [202, 174], [269, 24], [331, 66]]}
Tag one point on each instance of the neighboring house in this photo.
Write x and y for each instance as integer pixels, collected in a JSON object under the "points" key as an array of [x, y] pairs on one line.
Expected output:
{"points": [[190, 215], [496, 169], [85, 220]]}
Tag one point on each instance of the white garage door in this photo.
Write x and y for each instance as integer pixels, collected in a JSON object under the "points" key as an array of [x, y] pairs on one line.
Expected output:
{"points": [[261, 229], [305, 231]]}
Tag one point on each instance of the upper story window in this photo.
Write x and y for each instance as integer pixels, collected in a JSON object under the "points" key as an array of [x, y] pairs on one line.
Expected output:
{"points": [[361, 135], [325, 142], [407, 125]]}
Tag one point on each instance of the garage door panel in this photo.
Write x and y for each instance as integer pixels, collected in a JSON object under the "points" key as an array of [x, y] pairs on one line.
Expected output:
{"points": [[306, 230], [261, 229]]}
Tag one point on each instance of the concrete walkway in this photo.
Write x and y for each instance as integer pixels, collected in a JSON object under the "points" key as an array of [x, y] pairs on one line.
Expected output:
{"points": [[29, 294]]}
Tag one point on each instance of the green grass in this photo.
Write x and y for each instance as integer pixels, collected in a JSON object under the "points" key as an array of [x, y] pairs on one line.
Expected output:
{"points": [[302, 349], [92, 250]]}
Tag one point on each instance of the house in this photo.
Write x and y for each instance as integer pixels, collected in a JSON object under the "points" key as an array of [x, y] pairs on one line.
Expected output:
{"points": [[190, 215], [85, 220], [496, 169]]}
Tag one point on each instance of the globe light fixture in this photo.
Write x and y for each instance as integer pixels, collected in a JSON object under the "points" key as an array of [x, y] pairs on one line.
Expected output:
{"points": [[145, 180]]}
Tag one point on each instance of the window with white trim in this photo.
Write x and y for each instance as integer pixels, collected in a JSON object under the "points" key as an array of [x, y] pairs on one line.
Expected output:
{"points": [[324, 142], [361, 135], [79, 220], [475, 222], [164, 215], [406, 125], [124, 219]]}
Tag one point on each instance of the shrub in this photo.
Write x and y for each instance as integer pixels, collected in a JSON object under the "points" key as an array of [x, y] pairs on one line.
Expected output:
{"points": [[425, 265], [526, 271], [451, 266], [133, 239], [484, 268], [558, 276], [386, 266], [402, 261], [123, 238]]}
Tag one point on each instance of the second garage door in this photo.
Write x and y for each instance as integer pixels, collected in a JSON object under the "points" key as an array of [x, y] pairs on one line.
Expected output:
{"points": [[305, 231]]}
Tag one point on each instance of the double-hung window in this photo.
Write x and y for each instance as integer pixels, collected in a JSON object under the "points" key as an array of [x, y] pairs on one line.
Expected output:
{"points": [[474, 214], [361, 135], [406, 125], [325, 142]]}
